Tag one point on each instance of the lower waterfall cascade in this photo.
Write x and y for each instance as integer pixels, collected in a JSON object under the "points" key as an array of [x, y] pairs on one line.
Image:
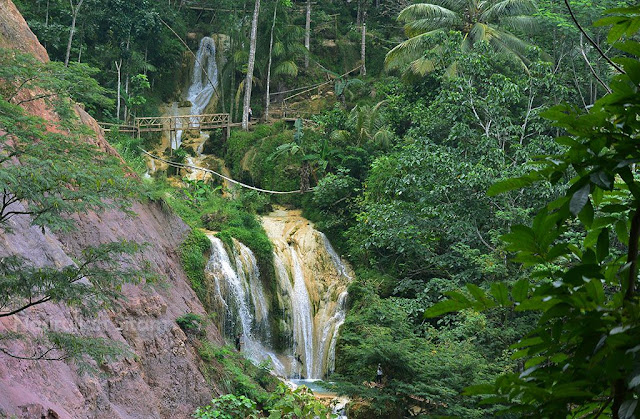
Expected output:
{"points": [[306, 303]]}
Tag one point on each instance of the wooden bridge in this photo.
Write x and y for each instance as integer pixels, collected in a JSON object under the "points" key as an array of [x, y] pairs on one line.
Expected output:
{"points": [[173, 124]]}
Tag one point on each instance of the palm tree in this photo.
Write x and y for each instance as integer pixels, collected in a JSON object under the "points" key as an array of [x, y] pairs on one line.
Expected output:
{"points": [[367, 124], [477, 20]]}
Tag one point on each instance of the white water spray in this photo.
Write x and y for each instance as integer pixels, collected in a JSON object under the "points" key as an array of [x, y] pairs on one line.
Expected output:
{"points": [[204, 82], [240, 295]]}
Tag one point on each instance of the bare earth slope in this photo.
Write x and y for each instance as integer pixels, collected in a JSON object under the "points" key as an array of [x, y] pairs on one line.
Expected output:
{"points": [[163, 380]]}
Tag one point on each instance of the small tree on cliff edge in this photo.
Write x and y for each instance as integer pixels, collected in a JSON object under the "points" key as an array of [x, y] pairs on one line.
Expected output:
{"points": [[48, 176]]}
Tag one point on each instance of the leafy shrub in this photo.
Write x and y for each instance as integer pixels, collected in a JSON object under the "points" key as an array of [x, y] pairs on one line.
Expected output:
{"points": [[235, 374], [296, 404], [228, 406], [190, 323]]}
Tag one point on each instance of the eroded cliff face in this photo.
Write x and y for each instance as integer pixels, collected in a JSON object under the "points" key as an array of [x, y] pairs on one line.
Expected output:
{"points": [[163, 379]]}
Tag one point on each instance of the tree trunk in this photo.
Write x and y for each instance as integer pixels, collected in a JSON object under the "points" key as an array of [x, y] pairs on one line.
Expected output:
{"points": [[126, 91], [268, 99], [305, 173], [307, 34], [232, 87], [363, 46], [74, 14], [250, 65], [118, 68]]}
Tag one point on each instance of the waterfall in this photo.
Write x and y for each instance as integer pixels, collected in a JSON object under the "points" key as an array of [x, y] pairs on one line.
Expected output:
{"points": [[241, 296], [312, 282], [247, 269], [302, 318], [309, 297], [204, 81]]}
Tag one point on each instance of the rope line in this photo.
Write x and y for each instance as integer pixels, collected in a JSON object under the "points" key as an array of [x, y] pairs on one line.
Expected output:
{"points": [[187, 166]]}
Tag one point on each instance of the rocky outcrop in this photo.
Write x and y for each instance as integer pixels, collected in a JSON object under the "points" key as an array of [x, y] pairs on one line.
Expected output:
{"points": [[163, 379], [14, 32], [312, 288]]}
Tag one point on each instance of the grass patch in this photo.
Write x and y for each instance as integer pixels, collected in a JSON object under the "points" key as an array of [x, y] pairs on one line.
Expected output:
{"points": [[193, 253], [201, 206]]}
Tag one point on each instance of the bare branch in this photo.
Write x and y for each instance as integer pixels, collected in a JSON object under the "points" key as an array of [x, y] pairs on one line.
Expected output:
{"points": [[593, 71], [591, 41], [41, 357]]}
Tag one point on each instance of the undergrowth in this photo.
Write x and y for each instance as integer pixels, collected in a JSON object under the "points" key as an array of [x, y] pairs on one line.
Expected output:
{"points": [[235, 374], [193, 253]]}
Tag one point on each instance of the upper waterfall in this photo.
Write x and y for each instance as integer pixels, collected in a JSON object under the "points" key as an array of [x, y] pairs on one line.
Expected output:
{"points": [[204, 80]]}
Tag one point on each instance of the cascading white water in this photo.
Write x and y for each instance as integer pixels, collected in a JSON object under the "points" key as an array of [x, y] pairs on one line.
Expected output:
{"points": [[309, 298], [332, 327], [241, 296], [312, 282], [205, 76], [204, 82], [247, 270], [225, 277], [302, 318]]}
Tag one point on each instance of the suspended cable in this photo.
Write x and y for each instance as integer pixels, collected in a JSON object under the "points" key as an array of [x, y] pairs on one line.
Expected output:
{"points": [[187, 166]]}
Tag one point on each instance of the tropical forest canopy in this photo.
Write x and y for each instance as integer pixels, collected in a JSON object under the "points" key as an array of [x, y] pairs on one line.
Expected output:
{"points": [[478, 168]]}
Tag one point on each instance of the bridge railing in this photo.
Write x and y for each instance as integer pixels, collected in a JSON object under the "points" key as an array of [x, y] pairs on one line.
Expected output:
{"points": [[124, 129], [154, 123], [182, 122], [208, 121]]}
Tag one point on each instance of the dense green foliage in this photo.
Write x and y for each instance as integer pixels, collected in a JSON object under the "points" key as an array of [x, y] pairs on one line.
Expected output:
{"points": [[582, 358], [113, 33]]}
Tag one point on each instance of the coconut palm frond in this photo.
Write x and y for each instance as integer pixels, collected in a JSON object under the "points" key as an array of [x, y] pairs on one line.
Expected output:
{"points": [[411, 49], [422, 66], [341, 135], [480, 32], [378, 106], [455, 5], [467, 43], [286, 68], [416, 27], [512, 42], [240, 56], [426, 11], [476, 19], [527, 24], [278, 49], [298, 49], [506, 8], [512, 47], [451, 71], [239, 93], [383, 137]]}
